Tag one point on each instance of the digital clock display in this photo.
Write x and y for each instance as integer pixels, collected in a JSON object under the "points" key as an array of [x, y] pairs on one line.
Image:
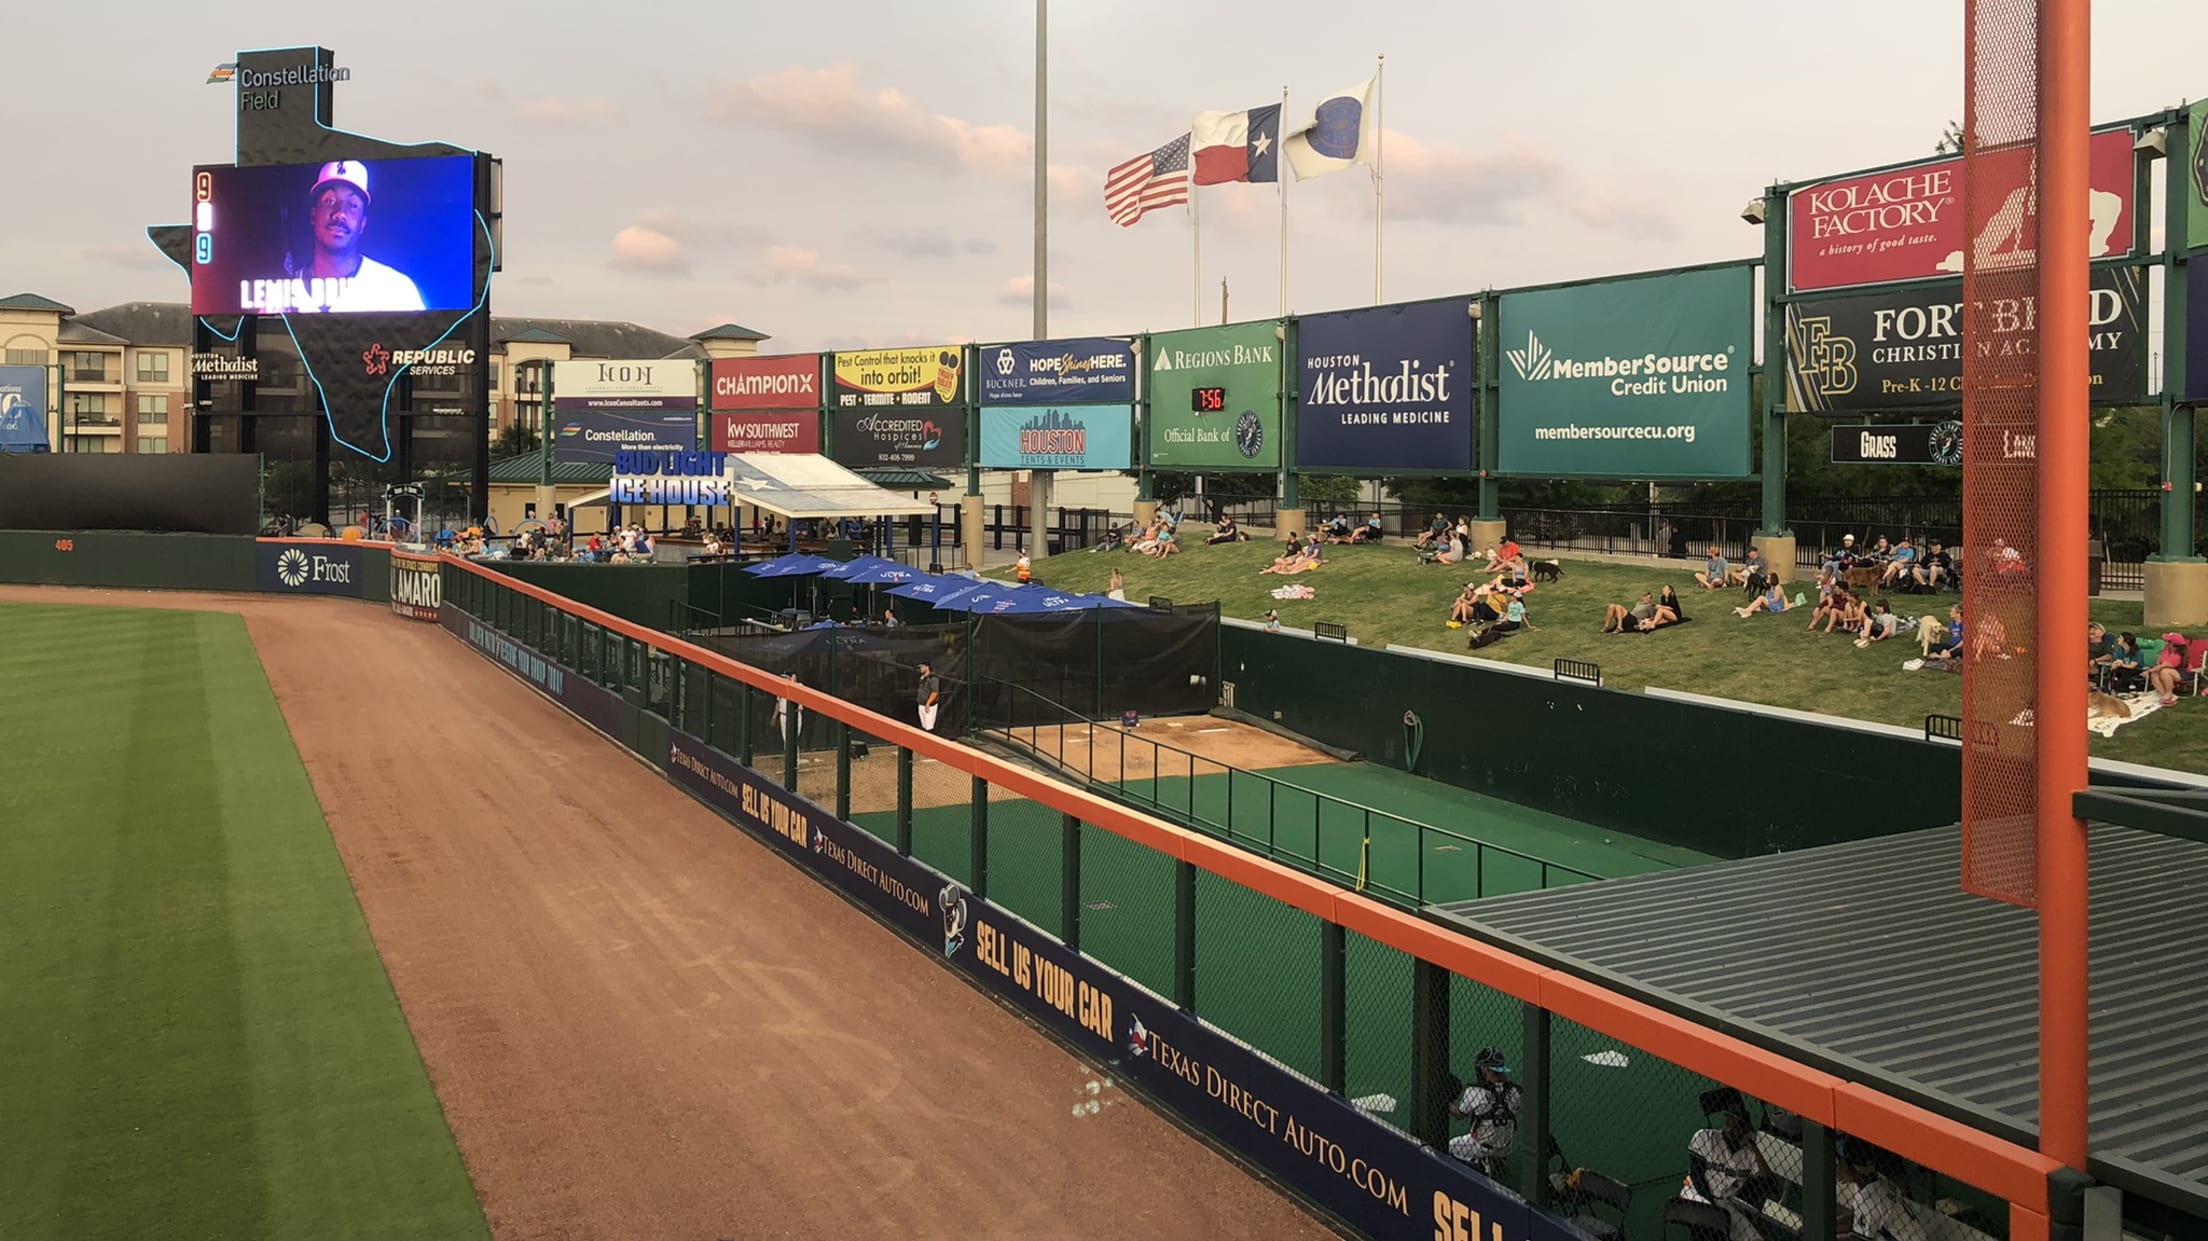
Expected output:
{"points": [[1207, 400]]}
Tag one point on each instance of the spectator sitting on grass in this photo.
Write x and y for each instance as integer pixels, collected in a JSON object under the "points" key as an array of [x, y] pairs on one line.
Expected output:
{"points": [[1451, 550], [1504, 558], [1293, 560], [1227, 532], [1831, 606], [1749, 573], [1855, 616], [1879, 626], [1942, 641], [1167, 543], [2123, 664], [1933, 567], [1514, 617], [1337, 528], [2096, 646], [1435, 533], [2169, 671], [1148, 539], [1467, 605], [1668, 601], [1641, 617], [1990, 637], [1717, 575], [1772, 600], [1901, 565], [1370, 532]]}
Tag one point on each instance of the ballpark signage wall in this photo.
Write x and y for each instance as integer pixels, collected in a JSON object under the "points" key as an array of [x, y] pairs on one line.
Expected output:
{"points": [[784, 382], [1634, 379], [900, 378], [1215, 398], [2196, 330], [1368, 1174], [1907, 223], [23, 409], [1385, 389], [2194, 168], [1096, 370], [871, 439], [589, 701], [604, 407], [1903, 348], [309, 568], [795, 431], [417, 586], [1058, 437]]}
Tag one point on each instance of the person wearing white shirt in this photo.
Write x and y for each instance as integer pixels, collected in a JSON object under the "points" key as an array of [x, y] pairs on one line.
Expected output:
{"points": [[1729, 1160], [341, 278]]}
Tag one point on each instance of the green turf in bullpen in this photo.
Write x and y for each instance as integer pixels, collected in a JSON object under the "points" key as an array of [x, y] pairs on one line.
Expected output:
{"points": [[198, 1037]]}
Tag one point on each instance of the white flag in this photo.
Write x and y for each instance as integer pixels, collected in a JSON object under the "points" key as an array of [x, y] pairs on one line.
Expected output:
{"points": [[1338, 133]]}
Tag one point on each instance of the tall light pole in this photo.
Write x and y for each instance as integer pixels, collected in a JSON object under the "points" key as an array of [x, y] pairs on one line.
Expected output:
{"points": [[1038, 481]]}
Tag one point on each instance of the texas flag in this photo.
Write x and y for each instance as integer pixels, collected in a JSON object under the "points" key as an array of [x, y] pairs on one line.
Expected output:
{"points": [[1237, 146]]}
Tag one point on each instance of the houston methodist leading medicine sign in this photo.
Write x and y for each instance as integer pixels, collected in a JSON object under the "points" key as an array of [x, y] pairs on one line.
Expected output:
{"points": [[1385, 389], [1907, 223]]}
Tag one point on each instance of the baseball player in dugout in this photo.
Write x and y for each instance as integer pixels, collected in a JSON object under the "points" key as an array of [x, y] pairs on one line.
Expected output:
{"points": [[347, 279]]}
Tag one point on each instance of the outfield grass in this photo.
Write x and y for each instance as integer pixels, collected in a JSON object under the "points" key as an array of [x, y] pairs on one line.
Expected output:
{"points": [[1384, 596], [199, 1039]]}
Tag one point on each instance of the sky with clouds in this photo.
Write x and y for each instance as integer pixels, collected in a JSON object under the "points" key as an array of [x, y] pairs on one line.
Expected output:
{"points": [[851, 174]]}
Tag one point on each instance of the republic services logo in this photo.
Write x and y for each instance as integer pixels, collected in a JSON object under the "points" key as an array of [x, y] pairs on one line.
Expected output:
{"points": [[1535, 362], [377, 359], [291, 567], [1004, 362]]}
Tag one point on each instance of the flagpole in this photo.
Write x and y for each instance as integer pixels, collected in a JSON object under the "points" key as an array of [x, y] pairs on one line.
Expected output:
{"points": [[1280, 173], [1196, 249], [1379, 174]]}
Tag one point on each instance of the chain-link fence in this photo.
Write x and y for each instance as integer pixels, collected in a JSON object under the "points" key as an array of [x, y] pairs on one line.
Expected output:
{"points": [[1609, 1135]]}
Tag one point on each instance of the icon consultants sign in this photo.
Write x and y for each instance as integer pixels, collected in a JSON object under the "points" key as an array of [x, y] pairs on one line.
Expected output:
{"points": [[1631, 379]]}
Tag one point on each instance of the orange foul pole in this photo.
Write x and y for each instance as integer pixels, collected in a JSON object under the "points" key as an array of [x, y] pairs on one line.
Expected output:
{"points": [[2065, 36]]}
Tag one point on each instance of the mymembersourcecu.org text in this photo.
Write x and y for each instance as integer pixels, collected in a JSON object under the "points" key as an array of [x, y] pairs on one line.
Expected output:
{"points": [[1574, 431]]}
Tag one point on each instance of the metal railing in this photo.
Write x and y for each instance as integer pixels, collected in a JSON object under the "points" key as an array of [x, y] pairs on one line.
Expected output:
{"points": [[1334, 838]]}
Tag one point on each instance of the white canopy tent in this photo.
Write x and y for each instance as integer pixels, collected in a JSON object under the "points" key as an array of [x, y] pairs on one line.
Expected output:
{"points": [[803, 485]]}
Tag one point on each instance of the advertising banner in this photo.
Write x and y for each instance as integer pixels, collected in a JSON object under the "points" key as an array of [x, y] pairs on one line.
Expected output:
{"points": [[596, 436], [1903, 349], [1370, 1175], [2196, 331], [417, 586], [795, 431], [902, 378], [23, 409], [1907, 223], [2193, 165], [870, 439], [1632, 379], [1092, 370], [1215, 398], [221, 367], [787, 381], [1923, 443], [1386, 389], [1058, 437], [309, 568], [591, 702], [670, 478]]}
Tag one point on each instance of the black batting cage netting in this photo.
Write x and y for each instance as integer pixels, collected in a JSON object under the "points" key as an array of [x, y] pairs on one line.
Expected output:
{"points": [[1005, 671]]}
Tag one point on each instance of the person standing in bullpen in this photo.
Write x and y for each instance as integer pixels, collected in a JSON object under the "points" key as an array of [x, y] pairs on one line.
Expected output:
{"points": [[348, 280], [930, 695]]}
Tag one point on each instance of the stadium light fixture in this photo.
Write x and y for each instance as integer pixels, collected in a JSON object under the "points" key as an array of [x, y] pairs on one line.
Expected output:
{"points": [[1753, 212], [2153, 143]]}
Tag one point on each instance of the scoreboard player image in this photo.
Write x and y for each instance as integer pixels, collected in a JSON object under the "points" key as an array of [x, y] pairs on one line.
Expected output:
{"points": [[340, 237]]}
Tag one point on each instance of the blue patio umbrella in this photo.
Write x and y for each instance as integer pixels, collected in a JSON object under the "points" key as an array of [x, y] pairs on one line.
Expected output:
{"points": [[884, 573], [848, 569], [796, 564], [936, 588]]}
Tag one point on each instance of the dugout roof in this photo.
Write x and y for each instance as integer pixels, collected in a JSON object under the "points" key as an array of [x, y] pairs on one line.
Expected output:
{"points": [[802, 485], [1866, 959]]}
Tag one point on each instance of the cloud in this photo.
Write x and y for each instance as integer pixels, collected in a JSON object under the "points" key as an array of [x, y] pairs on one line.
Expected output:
{"points": [[978, 245], [638, 248], [1514, 184], [832, 107], [137, 255], [792, 265], [1020, 291], [566, 113], [1072, 182], [921, 245]]}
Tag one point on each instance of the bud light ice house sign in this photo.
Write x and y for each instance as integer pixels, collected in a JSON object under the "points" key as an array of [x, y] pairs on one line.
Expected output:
{"points": [[670, 478], [1388, 388]]}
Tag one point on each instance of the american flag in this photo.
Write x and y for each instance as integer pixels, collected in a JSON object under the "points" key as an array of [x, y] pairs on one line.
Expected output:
{"points": [[1159, 179]]}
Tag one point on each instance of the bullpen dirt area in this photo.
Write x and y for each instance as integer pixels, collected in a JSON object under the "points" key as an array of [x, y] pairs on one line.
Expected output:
{"points": [[641, 1024]]}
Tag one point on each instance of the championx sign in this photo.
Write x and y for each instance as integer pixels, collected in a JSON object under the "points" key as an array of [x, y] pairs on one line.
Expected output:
{"points": [[670, 478], [783, 382]]}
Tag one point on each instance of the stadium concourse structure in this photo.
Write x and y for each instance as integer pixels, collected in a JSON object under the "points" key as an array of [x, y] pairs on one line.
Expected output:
{"points": [[796, 487], [1868, 960]]}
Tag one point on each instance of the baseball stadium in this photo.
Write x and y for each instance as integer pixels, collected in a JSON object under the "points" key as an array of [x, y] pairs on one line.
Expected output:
{"points": [[799, 871]]}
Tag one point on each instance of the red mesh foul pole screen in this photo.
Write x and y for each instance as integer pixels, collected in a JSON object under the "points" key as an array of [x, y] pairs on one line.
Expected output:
{"points": [[2026, 409]]}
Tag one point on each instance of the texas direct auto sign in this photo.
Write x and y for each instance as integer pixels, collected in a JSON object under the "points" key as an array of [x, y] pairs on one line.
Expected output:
{"points": [[1093, 370], [1907, 223], [1386, 389], [1633, 379], [1903, 348], [789, 381]]}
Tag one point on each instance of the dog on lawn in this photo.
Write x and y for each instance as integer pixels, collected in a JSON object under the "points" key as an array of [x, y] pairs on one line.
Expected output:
{"points": [[1547, 571], [1868, 578], [2106, 706]]}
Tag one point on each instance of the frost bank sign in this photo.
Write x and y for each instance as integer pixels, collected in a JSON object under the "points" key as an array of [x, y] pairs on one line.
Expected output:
{"points": [[1628, 379]]}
